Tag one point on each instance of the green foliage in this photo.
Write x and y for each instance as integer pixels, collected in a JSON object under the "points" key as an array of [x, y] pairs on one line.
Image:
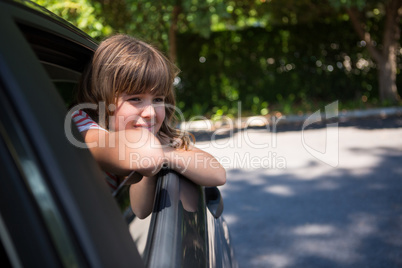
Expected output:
{"points": [[85, 14], [360, 4], [276, 69], [269, 55], [151, 20]]}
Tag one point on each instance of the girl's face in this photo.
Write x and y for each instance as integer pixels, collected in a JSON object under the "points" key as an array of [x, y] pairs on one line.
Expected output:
{"points": [[139, 111]]}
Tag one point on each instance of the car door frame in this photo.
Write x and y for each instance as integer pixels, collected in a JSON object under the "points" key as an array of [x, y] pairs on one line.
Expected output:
{"points": [[100, 234]]}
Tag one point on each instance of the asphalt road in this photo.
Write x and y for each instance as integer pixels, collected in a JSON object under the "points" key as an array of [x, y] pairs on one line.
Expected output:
{"points": [[321, 197]]}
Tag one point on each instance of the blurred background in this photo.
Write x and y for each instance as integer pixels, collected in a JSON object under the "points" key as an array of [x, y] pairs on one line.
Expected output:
{"points": [[290, 56]]}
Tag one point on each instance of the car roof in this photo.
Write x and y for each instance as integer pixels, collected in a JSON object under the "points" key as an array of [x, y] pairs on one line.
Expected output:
{"points": [[38, 10]]}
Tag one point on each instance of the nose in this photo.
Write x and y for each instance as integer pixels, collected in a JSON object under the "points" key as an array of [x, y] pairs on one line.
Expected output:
{"points": [[148, 111]]}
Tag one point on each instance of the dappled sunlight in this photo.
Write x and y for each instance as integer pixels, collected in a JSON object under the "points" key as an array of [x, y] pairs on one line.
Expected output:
{"points": [[257, 142], [342, 244], [273, 260], [257, 181], [231, 219], [327, 185], [312, 170], [362, 224], [279, 153], [310, 212], [280, 190], [313, 230], [340, 250]]}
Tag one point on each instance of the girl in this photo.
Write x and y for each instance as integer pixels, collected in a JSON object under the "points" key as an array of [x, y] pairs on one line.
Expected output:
{"points": [[134, 83]]}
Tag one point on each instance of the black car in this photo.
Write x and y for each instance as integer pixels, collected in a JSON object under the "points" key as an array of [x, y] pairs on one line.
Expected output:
{"points": [[54, 209]]}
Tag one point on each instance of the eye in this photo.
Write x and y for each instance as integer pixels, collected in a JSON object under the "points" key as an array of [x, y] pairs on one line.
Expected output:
{"points": [[159, 99], [134, 99]]}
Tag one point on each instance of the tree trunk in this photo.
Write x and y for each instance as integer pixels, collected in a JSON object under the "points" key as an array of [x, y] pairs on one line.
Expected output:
{"points": [[387, 76], [386, 59], [173, 33]]}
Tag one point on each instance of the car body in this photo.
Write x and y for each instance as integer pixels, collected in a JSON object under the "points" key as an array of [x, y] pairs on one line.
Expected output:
{"points": [[54, 209]]}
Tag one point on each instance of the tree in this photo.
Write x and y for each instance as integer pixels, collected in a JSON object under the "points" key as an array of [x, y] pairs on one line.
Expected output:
{"points": [[377, 23], [84, 14], [159, 22], [384, 53]]}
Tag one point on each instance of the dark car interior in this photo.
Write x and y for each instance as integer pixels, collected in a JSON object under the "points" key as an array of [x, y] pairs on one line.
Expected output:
{"points": [[63, 60]]}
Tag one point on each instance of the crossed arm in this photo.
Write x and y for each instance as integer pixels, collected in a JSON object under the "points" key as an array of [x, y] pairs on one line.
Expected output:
{"points": [[139, 150], [195, 164]]}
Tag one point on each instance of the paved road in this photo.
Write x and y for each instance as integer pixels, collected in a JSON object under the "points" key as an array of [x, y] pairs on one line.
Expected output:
{"points": [[287, 208]]}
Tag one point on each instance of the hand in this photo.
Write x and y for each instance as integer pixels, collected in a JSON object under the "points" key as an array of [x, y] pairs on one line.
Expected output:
{"points": [[165, 140]]}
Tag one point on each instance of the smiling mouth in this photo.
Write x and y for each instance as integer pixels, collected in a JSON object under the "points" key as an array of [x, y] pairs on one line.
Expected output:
{"points": [[144, 126]]}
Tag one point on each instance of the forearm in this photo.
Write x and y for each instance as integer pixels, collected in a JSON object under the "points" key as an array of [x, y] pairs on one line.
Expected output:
{"points": [[142, 196], [196, 165], [124, 151]]}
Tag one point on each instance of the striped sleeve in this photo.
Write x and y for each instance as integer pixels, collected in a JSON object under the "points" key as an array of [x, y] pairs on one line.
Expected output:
{"points": [[111, 180], [84, 122]]}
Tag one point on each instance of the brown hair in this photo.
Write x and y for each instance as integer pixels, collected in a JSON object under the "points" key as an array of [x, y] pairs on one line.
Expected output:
{"points": [[123, 64]]}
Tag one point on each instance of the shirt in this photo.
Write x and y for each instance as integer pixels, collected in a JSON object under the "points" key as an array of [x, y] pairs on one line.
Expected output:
{"points": [[84, 123]]}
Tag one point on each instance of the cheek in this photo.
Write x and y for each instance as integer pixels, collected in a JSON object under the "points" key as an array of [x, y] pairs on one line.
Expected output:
{"points": [[123, 118], [161, 113]]}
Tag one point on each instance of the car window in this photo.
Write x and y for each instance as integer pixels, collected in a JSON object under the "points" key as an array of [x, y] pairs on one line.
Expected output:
{"points": [[62, 59], [64, 62], [179, 235], [65, 81], [176, 231]]}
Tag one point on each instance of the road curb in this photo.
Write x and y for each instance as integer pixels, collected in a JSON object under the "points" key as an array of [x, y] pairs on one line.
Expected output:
{"points": [[279, 119]]}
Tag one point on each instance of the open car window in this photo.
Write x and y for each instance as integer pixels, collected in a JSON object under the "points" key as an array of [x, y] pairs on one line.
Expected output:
{"points": [[178, 228], [64, 61]]}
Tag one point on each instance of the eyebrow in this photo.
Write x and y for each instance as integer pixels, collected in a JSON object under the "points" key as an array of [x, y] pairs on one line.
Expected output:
{"points": [[142, 94]]}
